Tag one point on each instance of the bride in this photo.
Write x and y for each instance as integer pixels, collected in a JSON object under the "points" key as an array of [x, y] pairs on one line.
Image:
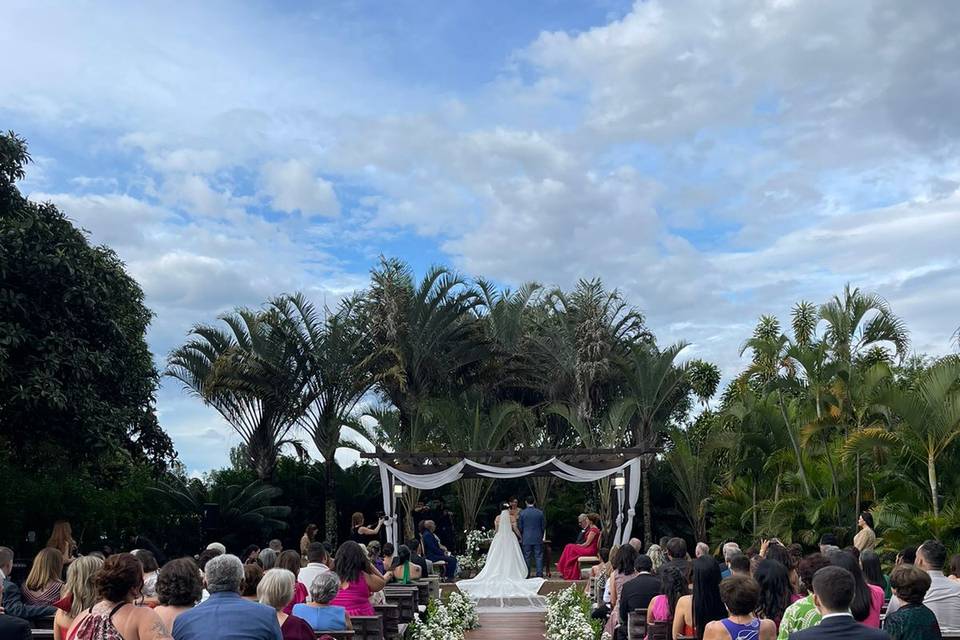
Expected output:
{"points": [[504, 575]]}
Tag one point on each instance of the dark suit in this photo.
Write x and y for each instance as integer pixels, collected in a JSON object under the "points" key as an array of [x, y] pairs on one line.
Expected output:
{"points": [[840, 628], [433, 553], [13, 604], [532, 524], [637, 594], [14, 628]]}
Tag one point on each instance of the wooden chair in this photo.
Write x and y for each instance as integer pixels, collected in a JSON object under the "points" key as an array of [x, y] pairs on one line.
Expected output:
{"points": [[586, 563], [42, 634], [390, 613], [405, 598], [434, 585], [367, 627], [439, 568], [591, 588], [660, 631], [423, 591], [637, 624]]}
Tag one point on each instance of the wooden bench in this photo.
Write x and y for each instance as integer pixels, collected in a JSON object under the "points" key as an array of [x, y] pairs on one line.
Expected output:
{"points": [[433, 584], [637, 624], [390, 614], [439, 568], [586, 563], [406, 598], [42, 633], [367, 627]]}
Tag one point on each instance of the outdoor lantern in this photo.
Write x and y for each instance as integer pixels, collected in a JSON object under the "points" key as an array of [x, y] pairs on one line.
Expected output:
{"points": [[619, 481], [398, 490]]}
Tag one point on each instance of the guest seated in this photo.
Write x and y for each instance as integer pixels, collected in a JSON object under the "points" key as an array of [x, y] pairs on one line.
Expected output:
{"points": [[434, 551], [704, 605], [389, 551], [943, 597], [568, 565], [118, 584], [225, 609], [290, 560], [741, 597], [12, 627], [373, 551], [624, 571], [43, 583], [637, 593], [913, 620], [276, 591], [358, 579], [252, 575], [740, 565], [249, 555], [317, 563], [867, 598], [13, 603], [955, 567], [657, 557], [873, 572], [673, 587], [803, 613], [267, 559], [179, 589], [403, 570], [318, 612], [80, 593], [775, 592], [834, 589], [604, 568], [150, 569]]}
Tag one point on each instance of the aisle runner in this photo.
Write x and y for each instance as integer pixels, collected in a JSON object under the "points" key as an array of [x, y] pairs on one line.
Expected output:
{"points": [[516, 625]]}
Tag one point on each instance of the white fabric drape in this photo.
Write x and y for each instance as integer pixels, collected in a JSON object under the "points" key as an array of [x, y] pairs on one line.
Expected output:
{"points": [[390, 474]]}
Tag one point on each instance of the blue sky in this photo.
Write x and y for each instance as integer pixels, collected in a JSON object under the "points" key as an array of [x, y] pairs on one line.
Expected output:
{"points": [[714, 160]]}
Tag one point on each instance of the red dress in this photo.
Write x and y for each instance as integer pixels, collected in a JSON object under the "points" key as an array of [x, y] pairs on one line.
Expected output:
{"points": [[568, 566]]}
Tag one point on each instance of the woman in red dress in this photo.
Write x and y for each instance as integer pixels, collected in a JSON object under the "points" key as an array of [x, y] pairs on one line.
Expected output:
{"points": [[568, 566]]}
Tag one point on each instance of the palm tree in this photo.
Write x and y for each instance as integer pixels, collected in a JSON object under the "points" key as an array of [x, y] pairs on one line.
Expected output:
{"points": [[693, 465], [331, 350], [249, 373], [926, 422]]}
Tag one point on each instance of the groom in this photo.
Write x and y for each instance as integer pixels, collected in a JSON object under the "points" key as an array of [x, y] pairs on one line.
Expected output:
{"points": [[532, 525]]}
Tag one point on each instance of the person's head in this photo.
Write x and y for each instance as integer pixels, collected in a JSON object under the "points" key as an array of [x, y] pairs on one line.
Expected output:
{"points": [[910, 583], [120, 578], [626, 560], [775, 591], [402, 557], [147, 559], [655, 551], [289, 560], [778, 553], [351, 562], [252, 574], [955, 565], [663, 541], [276, 588], [316, 552], [730, 549], [6, 560], [707, 605], [637, 544], [860, 604], [311, 531], [643, 563], [583, 521], [430, 525], [267, 559], [81, 583], [178, 583], [325, 587], [513, 502], [931, 555], [373, 550], [865, 520], [594, 519], [531, 501], [206, 556], [62, 535], [828, 540], [223, 574], [276, 545], [614, 552], [833, 590], [217, 546], [808, 568], [604, 554], [740, 595], [412, 545], [907, 555], [677, 548], [852, 551], [250, 553], [673, 584], [389, 550], [356, 520], [47, 567], [702, 549], [739, 564], [872, 571]]}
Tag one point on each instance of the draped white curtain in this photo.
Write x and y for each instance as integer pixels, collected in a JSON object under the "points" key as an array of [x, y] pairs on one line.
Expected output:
{"points": [[389, 475]]}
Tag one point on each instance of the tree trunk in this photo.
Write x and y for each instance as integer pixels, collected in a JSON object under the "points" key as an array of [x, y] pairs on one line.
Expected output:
{"points": [[856, 504], [932, 477], [606, 509], [795, 445], [754, 508], [647, 513], [409, 500], [540, 487], [330, 500]]}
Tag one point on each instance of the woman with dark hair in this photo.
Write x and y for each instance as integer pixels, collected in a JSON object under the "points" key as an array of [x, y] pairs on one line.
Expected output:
{"points": [[178, 589], [803, 613], [775, 591], [252, 575], [741, 595], [704, 605], [358, 579], [673, 585], [866, 539], [954, 567], [867, 598], [873, 572], [402, 570], [250, 554], [624, 571], [150, 569], [309, 535], [290, 560], [118, 585]]}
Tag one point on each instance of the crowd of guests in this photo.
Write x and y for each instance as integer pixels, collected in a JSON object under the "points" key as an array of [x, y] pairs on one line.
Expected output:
{"points": [[270, 594], [774, 591]]}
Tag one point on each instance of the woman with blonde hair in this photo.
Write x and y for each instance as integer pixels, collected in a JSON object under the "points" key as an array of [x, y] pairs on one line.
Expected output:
{"points": [[80, 592], [62, 540], [43, 583]]}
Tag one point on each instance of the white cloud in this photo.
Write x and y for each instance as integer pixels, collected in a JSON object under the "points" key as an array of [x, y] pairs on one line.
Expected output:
{"points": [[292, 187]]}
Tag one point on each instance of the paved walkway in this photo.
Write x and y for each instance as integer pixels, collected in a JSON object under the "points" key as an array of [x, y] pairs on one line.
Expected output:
{"points": [[515, 626]]}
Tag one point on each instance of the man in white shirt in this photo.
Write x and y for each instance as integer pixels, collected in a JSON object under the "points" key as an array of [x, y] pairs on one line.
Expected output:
{"points": [[943, 597], [316, 564]]}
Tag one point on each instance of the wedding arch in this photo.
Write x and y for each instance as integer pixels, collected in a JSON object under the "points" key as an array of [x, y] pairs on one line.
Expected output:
{"points": [[428, 470]]}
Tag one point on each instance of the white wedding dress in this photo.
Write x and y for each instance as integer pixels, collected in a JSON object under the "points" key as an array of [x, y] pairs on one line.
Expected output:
{"points": [[503, 580]]}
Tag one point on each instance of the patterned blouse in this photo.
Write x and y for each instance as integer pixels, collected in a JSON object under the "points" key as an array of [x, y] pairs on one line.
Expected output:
{"points": [[802, 614], [912, 622]]}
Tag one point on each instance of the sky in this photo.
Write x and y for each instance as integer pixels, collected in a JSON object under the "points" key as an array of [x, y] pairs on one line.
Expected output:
{"points": [[714, 160]]}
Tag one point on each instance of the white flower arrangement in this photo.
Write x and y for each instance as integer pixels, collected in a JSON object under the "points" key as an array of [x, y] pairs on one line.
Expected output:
{"points": [[568, 617], [446, 619], [473, 557]]}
